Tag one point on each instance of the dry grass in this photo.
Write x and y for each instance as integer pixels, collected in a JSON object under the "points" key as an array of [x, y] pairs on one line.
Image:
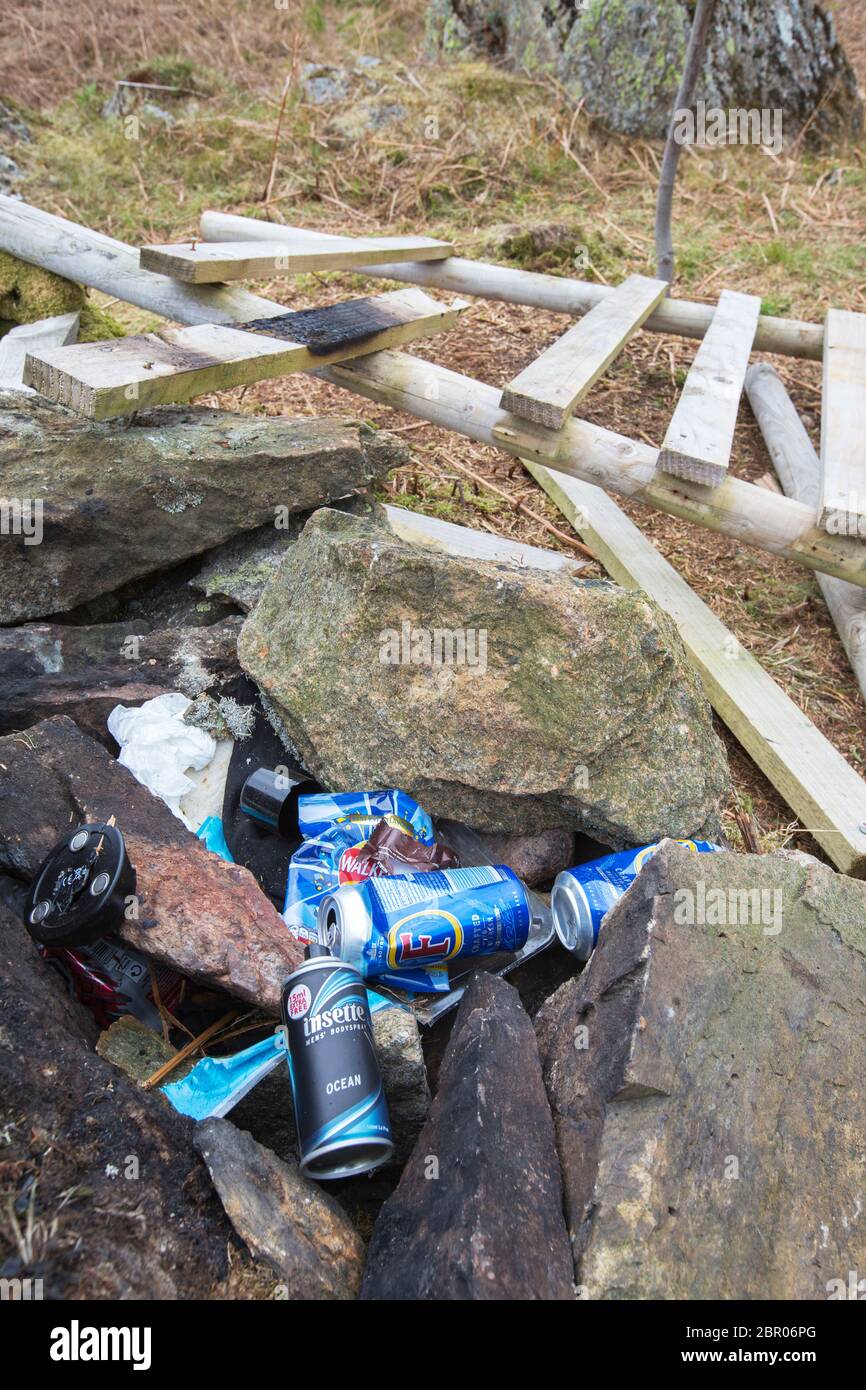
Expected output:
{"points": [[473, 149]]}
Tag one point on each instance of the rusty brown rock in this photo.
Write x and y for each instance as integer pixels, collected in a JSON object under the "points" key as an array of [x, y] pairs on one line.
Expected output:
{"points": [[197, 912]]}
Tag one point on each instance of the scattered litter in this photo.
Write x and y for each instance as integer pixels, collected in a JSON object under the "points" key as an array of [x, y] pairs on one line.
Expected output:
{"points": [[583, 896], [212, 836], [386, 926], [317, 813], [158, 747], [112, 980], [216, 1084]]}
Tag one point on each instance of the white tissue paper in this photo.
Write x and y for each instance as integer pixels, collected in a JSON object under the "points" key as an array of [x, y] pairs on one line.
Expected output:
{"points": [[158, 748]]}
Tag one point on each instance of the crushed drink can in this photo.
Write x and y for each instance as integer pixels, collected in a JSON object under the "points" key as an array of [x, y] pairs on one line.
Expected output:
{"points": [[341, 1114], [582, 896], [318, 813], [395, 924]]}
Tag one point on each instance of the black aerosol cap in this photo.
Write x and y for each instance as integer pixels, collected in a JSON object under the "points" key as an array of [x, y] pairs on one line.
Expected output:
{"points": [[270, 797]]}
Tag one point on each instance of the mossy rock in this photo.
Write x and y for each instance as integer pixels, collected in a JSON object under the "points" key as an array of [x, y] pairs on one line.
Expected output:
{"points": [[96, 325], [588, 681], [28, 293]]}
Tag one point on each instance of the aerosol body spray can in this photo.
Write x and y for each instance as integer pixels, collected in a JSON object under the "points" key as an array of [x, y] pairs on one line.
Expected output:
{"points": [[339, 1100]]}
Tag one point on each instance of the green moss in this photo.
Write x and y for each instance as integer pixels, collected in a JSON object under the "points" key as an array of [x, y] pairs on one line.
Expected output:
{"points": [[28, 293], [96, 325]]}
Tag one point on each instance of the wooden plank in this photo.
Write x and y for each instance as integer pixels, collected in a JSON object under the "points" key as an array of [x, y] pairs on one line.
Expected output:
{"points": [[101, 263], [56, 331], [737, 508], [842, 502], [799, 471], [103, 380], [547, 391], [806, 769], [700, 436], [465, 541], [790, 337], [210, 262]]}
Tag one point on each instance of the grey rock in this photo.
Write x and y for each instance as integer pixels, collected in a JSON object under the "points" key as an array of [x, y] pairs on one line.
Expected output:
{"points": [[239, 571], [9, 173], [11, 124], [706, 1076], [624, 58], [324, 84], [83, 672], [121, 501], [364, 117], [588, 681], [404, 1075], [477, 1213], [282, 1218]]}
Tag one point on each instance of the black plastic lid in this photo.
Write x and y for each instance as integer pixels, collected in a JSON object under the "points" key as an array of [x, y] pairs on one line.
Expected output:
{"points": [[80, 890], [270, 798]]}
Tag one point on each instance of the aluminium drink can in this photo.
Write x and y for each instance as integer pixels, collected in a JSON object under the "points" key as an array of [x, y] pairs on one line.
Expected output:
{"points": [[582, 896], [341, 1115], [398, 923]]}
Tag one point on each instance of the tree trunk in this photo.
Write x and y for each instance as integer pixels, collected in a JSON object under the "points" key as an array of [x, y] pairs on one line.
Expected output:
{"points": [[625, 57]]}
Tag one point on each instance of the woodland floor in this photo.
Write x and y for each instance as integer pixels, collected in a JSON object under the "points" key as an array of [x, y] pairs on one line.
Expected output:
{"points": [[506, 150]]}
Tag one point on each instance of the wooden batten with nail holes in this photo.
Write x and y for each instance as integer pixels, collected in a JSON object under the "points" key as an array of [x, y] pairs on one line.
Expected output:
{"points": [[700, 436], [547, 391], [842, 502], [107, 379], [561, 295], [212, 262], [823, 790], [737, 508], [799, 471]]}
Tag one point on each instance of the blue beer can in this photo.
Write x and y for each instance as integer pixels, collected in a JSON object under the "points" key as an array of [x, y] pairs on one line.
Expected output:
{"points": [[391, 924], [582, 896]]}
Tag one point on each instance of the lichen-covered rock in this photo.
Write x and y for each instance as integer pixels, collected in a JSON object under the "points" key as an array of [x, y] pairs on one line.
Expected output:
{"points": [[706, 1077], [83, 672], [624, 58], [583, 712], [117, 501], [240, 569]]}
